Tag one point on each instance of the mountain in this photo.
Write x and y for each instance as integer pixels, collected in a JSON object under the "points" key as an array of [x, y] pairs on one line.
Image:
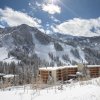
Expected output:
{"points": [[24, 43]]}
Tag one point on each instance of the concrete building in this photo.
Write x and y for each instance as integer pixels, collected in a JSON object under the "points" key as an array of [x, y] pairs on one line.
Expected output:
{"points": [[57, 73], [67, 72]]}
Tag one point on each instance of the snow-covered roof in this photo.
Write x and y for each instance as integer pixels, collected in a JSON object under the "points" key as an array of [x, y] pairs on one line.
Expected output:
{"points": [[93, 65], [50, 68], [2, 74], [61, 67], [56, 68], [9, 76], [72, 66]]}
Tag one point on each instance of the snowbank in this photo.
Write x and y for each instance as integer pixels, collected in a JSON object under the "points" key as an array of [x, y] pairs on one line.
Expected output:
{"points": [[75, 91]]}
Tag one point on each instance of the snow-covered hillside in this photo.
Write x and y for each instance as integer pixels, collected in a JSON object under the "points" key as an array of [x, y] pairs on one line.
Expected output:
{"points": [[18, 42], [4, 56], [89, 90]]}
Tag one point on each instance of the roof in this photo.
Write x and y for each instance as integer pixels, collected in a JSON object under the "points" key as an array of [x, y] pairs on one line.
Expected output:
{"points": [[9, 76], [56, 68], [50, 68], [2, 74], [61, 67], [93, 65]]}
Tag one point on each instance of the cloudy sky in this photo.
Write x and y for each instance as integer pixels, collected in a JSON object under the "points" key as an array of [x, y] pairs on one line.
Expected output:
{"points": [[72, 17]]}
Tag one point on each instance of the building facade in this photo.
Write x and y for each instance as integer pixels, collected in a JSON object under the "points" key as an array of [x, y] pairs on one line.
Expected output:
{"points": [[64, 73]]}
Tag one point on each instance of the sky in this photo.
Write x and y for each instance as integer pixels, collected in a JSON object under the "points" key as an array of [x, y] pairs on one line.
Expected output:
{"points": [[71, 17]]}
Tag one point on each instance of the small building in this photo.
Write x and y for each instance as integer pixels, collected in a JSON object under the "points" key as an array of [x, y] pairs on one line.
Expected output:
{"points": [[1, 75], [10, 79]]}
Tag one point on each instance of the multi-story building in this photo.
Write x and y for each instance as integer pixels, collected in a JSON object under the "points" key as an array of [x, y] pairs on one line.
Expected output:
{"points": [[67, 72]]}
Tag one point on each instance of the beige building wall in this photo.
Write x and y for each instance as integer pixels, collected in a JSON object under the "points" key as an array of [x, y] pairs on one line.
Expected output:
{"points": [[54, 76], [80, 67]]}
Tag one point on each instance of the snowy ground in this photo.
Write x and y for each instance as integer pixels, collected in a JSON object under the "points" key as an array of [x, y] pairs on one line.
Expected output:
{"points": [[75, 91]]}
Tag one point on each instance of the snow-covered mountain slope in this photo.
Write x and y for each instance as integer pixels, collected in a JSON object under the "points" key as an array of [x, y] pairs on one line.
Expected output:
{"points": [[28, 42]]}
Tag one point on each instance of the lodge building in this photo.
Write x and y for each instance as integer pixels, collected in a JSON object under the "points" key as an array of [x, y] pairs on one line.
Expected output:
{"points": [[67, 72]]}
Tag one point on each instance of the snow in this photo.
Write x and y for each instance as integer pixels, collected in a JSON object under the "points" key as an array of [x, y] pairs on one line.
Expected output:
{"points": [[61, 67], [40, 51], [43, 53], [93, 65], [67, 50], [9, 60], [79, 73], [51, 68], [1, 26], [3, 53], [7, 41], [9, 76], [4, 56], [55, 68], [7, 45], [2, 74], [88, 90], [81, 53], [64, 62]]}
